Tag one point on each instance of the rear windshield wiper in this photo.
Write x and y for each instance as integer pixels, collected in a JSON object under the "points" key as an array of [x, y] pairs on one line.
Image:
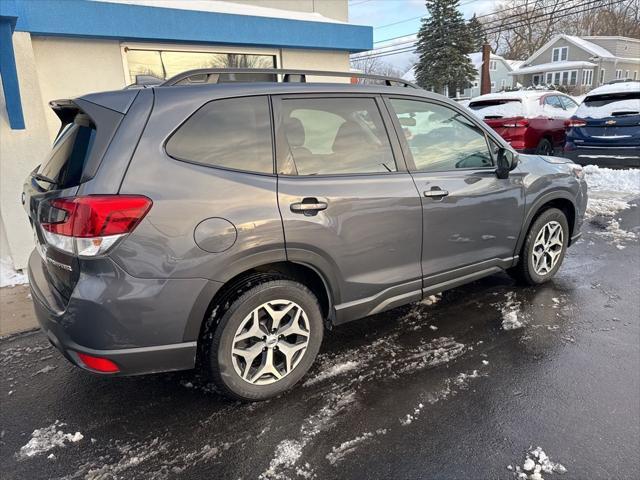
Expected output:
{"points": [[42, 178], [623, 113]]}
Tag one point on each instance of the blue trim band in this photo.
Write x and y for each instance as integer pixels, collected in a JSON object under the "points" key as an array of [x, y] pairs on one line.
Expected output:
{"points": [[86, 18], [9, 73]]}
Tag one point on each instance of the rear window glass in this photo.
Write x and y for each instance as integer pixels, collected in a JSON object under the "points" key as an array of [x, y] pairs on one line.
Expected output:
{"points": [[70, 152], [610, 105], [501, 108], [232, 133]]}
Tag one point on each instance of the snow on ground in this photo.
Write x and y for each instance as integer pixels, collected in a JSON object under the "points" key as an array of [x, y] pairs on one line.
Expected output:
{"points": [[451, 387], [338, 453], [333, 371], [610, 192], [513, 316], [536, 464], [8, 276], [47, 438]]}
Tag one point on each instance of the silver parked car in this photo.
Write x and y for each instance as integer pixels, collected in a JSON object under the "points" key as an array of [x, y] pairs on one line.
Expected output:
{"points": [[224, 219]]}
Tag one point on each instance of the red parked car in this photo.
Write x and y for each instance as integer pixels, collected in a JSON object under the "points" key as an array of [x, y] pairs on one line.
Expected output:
{"points": [[532, 121]]}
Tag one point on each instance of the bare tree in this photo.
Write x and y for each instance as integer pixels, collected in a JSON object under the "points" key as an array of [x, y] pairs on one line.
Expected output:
{"points": [[518, 28], [375, 66]]}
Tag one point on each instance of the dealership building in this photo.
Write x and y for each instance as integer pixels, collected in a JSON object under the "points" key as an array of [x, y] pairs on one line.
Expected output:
{"points": [[55, 49]]}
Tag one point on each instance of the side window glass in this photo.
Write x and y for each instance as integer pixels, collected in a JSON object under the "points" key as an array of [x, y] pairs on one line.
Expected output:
{"points": [[441, 138], [231, 133], [553, 101], [568, 103], [324, 136]]}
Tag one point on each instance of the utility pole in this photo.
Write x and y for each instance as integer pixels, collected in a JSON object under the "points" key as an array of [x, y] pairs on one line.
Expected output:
{"points": [[485, 78]]}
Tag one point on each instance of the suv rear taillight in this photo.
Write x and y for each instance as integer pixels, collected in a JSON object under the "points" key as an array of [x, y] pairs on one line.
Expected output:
{"points": [[90, 225], [576, 122], [516, 122]]}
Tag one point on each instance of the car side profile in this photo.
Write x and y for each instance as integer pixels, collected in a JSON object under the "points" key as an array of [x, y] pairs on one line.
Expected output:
{"points": [[532, 121], [225, 223]]}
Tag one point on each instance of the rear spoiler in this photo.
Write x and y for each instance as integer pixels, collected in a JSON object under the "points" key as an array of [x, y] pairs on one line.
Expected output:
{"points": [[66, 111]]}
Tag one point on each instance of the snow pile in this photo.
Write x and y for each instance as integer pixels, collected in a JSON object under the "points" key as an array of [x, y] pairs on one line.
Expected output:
{"points": [[8, 276], [609, 193], [45, 439], [512, 314], [535, 465], [612, 181]]}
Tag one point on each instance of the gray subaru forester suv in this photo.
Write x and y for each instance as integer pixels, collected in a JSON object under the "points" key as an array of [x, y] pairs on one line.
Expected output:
{"points": [[225, 218]]}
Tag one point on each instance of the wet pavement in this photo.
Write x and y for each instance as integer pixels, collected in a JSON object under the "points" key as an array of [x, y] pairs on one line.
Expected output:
{"points": [[459, 389]]}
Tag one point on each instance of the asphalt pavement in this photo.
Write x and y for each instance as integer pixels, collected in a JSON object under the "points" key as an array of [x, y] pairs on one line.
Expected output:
{"points": [[462, 388]]}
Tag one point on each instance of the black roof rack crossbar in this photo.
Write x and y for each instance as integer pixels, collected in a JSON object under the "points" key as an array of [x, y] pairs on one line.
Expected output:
{"points": [[226, 75]]}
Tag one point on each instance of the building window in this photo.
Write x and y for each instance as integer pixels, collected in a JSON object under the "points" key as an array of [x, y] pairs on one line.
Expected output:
{"points": [[635, 75], [560, 54], [549, 79], [167, 63], [493, 85], [503, 83], [618, 74], [493, 65], [626, 74], [587, 77], [602, 72]]}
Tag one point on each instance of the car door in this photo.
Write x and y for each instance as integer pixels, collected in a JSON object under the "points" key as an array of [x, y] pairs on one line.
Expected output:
{"points": [[556, 116], [349, 207], [471, 218]]}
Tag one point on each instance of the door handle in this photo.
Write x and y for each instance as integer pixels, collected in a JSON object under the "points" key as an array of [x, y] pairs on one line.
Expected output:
{"points": [[308, 206], [436, 192]]}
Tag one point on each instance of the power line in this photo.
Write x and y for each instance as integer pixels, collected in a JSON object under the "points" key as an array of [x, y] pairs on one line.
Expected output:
{"points": [[529, 2], [498, 28], [415, 18]]}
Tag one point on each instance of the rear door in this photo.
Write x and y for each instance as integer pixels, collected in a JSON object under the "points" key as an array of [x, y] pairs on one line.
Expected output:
{"points": [[348, 205], [556, 116], [471, 218]]}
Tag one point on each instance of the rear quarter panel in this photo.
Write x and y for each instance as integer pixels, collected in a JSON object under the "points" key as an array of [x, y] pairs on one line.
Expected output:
{"points": [[184, 195]]}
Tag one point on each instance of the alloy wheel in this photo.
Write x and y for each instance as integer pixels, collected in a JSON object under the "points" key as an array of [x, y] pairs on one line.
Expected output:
{"points": [[547, 248], [270, 342]]}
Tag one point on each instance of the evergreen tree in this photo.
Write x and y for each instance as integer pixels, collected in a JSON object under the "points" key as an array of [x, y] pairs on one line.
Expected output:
{"points": [[476, 33], [442, 48]]}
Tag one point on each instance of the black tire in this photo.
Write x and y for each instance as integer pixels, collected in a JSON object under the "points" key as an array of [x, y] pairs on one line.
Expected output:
{"points": [[217, 357], [545, 147], [524, 271]]}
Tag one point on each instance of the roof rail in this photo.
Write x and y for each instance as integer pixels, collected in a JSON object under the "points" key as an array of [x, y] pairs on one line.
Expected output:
{"points": [[230, 75]]}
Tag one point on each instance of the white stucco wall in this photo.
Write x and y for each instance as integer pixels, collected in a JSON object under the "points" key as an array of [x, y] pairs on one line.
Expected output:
{"points": [[20, 152], [51, 68], [71, 67]]}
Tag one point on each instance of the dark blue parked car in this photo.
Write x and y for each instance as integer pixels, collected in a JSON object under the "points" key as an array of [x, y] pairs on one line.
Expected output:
{"points": [[606, 127]]}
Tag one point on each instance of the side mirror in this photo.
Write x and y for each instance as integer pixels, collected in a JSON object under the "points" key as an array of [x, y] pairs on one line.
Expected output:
{"points": [[506, 162]]}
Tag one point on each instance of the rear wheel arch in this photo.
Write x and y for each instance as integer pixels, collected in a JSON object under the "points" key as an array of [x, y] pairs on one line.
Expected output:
{"points": [[306, 275]]}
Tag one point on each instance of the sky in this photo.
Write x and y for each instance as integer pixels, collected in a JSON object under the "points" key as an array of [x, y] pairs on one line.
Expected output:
{"points": [[402, 14]]}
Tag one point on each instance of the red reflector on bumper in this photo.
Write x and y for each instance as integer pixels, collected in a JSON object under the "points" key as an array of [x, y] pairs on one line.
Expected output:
{"points": [[98, 364]]}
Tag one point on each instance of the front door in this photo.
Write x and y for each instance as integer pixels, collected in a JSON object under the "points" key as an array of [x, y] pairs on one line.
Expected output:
{"points": [[471, 218], [348, 208]]}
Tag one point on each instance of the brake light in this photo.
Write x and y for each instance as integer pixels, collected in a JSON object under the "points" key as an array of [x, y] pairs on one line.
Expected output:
{"points": [[516, 122], [576, 122], [90, 225], [98, 364]]}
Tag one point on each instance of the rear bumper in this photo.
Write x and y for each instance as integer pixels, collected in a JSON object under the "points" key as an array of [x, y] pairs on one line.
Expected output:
{"points": [[604, 156], [142, 325]]}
